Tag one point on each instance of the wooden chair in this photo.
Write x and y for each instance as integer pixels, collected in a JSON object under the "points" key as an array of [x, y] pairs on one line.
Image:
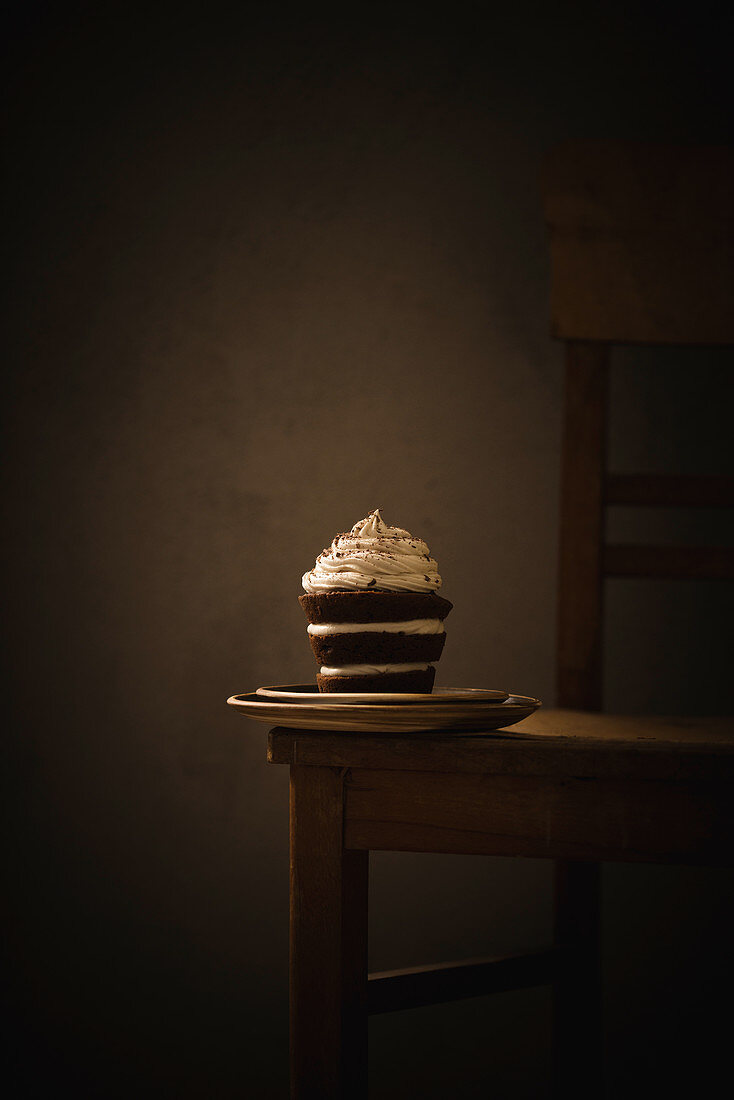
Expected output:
{"points": [[570, 785]]}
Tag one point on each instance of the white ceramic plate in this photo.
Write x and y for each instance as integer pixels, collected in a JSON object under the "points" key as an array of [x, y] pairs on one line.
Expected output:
{"points": [[456, 717], [304, 693]]}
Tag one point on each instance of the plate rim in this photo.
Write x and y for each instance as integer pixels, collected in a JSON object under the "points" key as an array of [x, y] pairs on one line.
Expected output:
{"points": [[491, 718], [393, 698], [528, 702]]}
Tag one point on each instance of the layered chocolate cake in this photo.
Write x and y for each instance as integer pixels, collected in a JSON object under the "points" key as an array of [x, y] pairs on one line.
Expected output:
{"points": [[375, 620]]}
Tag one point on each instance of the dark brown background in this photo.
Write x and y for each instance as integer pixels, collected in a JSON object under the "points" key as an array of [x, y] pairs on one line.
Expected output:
{"points": [[269, 271]]}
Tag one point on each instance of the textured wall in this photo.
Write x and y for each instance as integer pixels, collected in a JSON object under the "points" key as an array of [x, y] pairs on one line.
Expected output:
{"points": [[266, 277]]}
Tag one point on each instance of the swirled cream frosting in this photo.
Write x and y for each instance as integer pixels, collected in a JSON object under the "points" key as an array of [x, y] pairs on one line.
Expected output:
{"points": [[373, 555]]}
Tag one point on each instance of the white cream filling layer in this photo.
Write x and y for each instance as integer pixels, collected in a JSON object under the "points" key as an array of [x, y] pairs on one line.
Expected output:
{"points": [[409, 626], [369, 670]]}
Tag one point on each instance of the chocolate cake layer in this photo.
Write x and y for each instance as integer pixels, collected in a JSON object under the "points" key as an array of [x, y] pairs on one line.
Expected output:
{"points": [[373, 606], [337, 650], [418, 681]]}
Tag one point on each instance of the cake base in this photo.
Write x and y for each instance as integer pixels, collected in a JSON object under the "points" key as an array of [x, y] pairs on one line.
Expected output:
{"points": [[419, 681]]}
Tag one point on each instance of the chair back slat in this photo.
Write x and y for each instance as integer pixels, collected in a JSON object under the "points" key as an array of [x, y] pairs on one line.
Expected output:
{"points": [[669, 490], [641, 242], [669, 562]]}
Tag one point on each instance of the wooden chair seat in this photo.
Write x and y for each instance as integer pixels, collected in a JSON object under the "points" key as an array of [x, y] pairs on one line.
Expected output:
{"points": [[565, 785]]}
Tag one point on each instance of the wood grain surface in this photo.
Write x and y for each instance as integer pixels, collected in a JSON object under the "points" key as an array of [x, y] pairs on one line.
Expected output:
{"points": [[549, 743], [574, 818]]}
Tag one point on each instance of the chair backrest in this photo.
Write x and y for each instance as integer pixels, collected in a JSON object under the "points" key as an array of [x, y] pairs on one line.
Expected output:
{"points": [[642, 252]]}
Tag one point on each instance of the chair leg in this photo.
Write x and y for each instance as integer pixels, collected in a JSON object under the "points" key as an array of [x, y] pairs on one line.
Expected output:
{"points": [[577, 1025], [328, 943]]}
